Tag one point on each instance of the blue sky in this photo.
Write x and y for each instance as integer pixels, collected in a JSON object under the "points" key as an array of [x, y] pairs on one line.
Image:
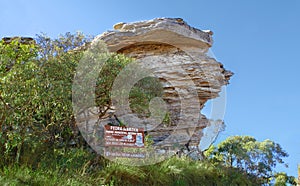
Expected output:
{"points": [[257, 40]]}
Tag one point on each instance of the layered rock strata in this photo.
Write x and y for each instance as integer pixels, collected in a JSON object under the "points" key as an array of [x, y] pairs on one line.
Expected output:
{"points": [[177, 55]]}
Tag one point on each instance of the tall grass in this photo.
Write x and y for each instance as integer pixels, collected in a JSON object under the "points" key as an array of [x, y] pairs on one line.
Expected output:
{"points": [[19, 176], [79, 167]]}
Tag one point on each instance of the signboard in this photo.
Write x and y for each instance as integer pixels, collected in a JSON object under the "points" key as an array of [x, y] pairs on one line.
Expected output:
{"points": [[124, 154], [124, 136]]}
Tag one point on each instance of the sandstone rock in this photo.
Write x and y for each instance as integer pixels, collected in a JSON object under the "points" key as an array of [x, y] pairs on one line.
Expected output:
{"points": [[176, 53], [167, 30], [118, 26]]}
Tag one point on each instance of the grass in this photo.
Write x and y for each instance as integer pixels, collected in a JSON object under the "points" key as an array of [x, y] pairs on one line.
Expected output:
{"points": [[93, 171], [25, 176]]}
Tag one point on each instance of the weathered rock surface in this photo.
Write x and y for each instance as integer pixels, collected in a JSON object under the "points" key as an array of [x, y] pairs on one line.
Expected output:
{"points": [[166, 30], [177, 55]]}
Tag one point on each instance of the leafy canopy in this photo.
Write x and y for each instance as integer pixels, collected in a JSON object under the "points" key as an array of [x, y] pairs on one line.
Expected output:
{"points": [[257, 159]]}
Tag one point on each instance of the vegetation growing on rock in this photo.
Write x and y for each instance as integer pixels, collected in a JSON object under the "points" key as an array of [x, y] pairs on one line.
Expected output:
{"points": [[41, 145]]}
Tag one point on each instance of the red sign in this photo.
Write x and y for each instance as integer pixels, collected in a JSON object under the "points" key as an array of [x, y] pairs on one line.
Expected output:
{"points": [[124, 136]]}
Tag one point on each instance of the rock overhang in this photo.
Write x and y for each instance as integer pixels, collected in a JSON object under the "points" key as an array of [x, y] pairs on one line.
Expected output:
{"points": [[172, 31], [177, 53]]}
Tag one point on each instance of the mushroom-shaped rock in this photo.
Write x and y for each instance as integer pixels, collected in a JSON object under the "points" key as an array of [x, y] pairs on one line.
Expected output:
{"points": [[176, 53]]}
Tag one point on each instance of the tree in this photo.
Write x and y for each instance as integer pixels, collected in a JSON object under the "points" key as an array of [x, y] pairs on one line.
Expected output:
{"points": [[35, 94], [17, 95], [36, 81], [281, 179], [245, 153]]}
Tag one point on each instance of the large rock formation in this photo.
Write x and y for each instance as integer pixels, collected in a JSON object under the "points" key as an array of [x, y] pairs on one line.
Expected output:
{"points": [[176, 53]]}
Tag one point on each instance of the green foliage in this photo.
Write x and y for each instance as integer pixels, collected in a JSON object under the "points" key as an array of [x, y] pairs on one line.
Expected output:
{"points": [[281, 179], [120, 174], [148, 141], [257, 159], [41, 145], [52, 48], [111, 68], [141, 94], [36, 96], [19, 176], [174, 171], [17, 80], [167, 120]]}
